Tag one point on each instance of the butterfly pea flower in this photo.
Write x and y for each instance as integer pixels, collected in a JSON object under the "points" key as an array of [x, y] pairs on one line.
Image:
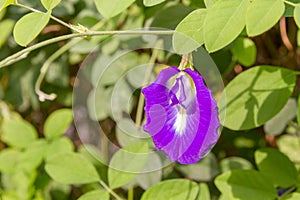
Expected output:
{"points": [[181, 115]]}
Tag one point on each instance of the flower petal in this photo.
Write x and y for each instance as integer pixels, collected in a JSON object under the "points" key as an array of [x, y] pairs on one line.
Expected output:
{"points": [[207, 133], [182, 116], [157, 108]]}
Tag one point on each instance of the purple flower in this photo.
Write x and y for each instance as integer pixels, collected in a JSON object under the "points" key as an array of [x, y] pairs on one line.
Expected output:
{"points": [[182, 116]]}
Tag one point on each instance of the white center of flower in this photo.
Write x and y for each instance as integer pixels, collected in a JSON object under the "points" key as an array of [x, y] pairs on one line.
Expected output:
{"points": [[181, 120], [184, 91]]}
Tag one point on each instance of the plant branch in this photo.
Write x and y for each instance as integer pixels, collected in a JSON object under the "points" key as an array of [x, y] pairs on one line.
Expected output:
{"points": [[23, 53], [130, 194], [43, 96], [103, 184]]}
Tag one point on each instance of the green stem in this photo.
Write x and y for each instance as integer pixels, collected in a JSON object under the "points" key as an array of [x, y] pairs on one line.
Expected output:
{"points": [[23, 53], [140, 107], [131, 194], [110, 190], [186, 61], [43, 96]]}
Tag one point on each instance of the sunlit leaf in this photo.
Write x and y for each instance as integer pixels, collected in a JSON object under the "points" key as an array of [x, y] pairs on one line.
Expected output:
{"points": [[224, 21], [262, 15], [29, 27], [277, 124], [18, 133], [8, 160], [71, 168], [209, 3], [276, 166], [59, 145], [152, 2], [289, 144], [175, 189], [113, 7], [6, 27], [257, 95], [189, 32], [50, 4], [57, 123], [95, 195], [203, 193], [5, 3], [244, 50], [245, 184]]}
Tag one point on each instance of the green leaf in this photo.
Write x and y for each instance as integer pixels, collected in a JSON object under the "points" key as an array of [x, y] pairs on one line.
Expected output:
{"points": [[289, 9], [203, 193], [50, 4], [277, 124], [113, 7], [29, 27], [18, 133], [290, 146], [33, 156], [96, 157], [232, 163], [98, 103], [175, 189], [152, 2], [2, 13], [127, 132], [245, 184], [297, 15], [170, 16], [8, 160], [257, 95], [71, 168], [95, 195], [125, 163], [6, 27], [224, 22], [57, 123], [5, 3], [298, 110], [244, 50], [189, 33], [152, 172], [262, 15], [293, 196], [209, 3], [276, 166], [204, 170], [59, 145]]}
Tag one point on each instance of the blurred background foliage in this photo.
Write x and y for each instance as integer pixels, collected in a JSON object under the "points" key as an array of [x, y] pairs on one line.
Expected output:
{"points": [[31, 143]]}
